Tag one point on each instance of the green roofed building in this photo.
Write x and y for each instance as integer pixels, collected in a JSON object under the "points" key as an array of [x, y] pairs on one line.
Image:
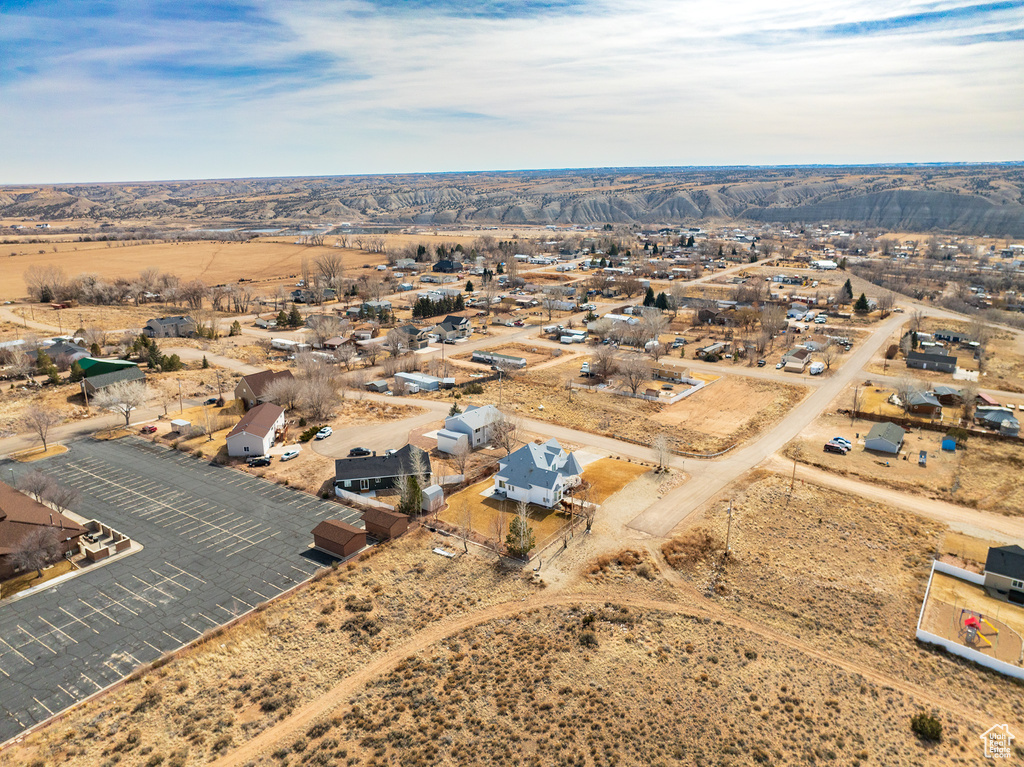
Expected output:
{"points": [[92, 366]]}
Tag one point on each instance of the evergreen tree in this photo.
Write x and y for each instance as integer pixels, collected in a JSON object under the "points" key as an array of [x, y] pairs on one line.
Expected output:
{"points": [[43, 361], [77, 374], [295, 317], [501, 267], [460, 303], [661, 302], [603, 262], [206, 362], [153, 356], [236, 329], [53, 374], [847, 294], [842, 265], [95, 350], [862, 306], [171, 364], [613, 250], [515, 546], [282, 319], [455, 409], [469, 286], [649, 297]]}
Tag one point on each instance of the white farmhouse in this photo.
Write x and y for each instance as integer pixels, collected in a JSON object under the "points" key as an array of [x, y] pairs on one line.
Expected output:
{"points": [[539, 474], [472, 428]]}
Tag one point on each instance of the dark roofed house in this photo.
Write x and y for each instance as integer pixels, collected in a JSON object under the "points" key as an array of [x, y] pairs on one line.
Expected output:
{"points": [[948, 396], [94, 384], [338, 538], [379, 472], [415, 338], [251, 387], [385, 525], [61, 349], [452, 327], [931, 361], [20, 516], [924, 403], [952, 336], [170, 327], [447, 266], [1004, 573]]}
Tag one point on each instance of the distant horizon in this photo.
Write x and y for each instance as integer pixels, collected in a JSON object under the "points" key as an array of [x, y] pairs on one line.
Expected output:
{"points": [[499, 171]]}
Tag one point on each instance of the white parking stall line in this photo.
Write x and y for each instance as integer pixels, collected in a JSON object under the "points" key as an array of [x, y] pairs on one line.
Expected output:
{"points": [[78, 620], [208, 618], [153, 646], [152, 586], [16, 651], [198, 632], [99, 610], [59, 631], [172, 637], [254, 591], [48, 711], [33, 638], [92, 681], [136, 595], [117, 602], [184, 572]]}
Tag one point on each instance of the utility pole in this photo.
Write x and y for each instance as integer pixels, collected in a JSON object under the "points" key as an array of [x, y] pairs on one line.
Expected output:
{"points": [[180, 407], [220, 395], [85, 394], [728, 532], [792, 480]]}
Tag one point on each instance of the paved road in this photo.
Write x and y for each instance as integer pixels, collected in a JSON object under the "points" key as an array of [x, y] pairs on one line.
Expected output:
{"points": [[712, 477], [216, 543]]}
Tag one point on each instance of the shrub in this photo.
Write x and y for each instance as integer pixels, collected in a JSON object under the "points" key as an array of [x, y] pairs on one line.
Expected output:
{"points": [[693, 546], [308, 434], [318, 729], [588, 639], [926, 727], [473, 388]]}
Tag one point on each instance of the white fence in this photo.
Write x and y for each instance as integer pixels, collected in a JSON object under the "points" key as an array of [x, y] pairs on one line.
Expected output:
{"points": [[365, 500], [952, 646], [695, 386]]}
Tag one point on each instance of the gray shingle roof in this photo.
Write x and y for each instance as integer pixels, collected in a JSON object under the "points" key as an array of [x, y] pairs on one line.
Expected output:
{"points": [[539, 465], [1006, 560], [94, 383], [379, 466], [888, 432]]}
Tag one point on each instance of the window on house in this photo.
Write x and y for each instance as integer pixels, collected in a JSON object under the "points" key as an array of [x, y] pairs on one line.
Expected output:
{"points": [[501, 484], [348, 483], [245, 449], [364, 484], [1018, 584]]}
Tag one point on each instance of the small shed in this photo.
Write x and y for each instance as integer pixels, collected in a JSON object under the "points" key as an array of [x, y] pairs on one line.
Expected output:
{"points": [[378, 386], [180, 426], [338, 538], [385, 525], [949, 444], [432, 499]]}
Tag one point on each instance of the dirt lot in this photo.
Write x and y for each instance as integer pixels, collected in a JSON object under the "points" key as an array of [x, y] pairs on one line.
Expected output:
{"points": [[533, 354], [211, 261], [722, 406], [982, 475], [847, 574]]}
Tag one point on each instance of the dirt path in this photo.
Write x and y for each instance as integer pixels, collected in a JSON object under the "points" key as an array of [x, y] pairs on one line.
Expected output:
{"points": [[696, 605], [980, 524]]}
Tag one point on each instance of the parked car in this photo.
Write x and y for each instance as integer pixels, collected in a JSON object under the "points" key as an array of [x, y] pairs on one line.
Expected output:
{"points": [[259, 460], [149, 429], [780, 365], [325, 432], [211, 401], [358, 451], [667, 387], [843, 441], [292, 452], [762, 363], [832, 447]]}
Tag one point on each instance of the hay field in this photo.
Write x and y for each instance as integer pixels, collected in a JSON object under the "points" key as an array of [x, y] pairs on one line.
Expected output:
{"points": [[213, 262]]}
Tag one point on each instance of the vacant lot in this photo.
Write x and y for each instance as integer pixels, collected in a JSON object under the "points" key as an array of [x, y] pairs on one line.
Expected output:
{"points": [[725, 413], [843, 573], [534, 355], [982, 475], [211, 261]]}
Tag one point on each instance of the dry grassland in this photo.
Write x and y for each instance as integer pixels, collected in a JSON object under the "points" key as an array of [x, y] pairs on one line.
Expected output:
{"points": [[729, 411], [213, 262], [845, 574], [983, 475]]}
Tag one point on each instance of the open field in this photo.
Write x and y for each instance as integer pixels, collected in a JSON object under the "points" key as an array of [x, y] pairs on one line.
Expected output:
{"points": [[843, 573], [723, 410], [983, 475], [214, 262]]}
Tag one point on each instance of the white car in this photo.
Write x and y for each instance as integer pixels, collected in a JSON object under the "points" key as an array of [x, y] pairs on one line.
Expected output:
{"points": [[780, 366], [292, 452], [325, 432], [842, 441]]}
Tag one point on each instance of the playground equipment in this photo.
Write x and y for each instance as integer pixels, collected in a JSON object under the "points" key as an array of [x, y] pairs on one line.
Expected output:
{"points": [[969, 628]]}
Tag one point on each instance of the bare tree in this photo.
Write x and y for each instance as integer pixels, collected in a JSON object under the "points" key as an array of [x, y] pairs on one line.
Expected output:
{"points": [[40, 419], [773, 319], [394, 342], [325, 327], [654, 323], [465, 523], [346, 356], [604, 362], [193, 293], [505, 432], [460, 457], [45, 283], [629, 285], [36, 484], [662, 451], [122, 397], [829, 354], [498, 528], [905, 388], [41, 547], [319, 395], [331, 268], [551, 300], [885, 301], [63, 497], [370, 353], [916, 320], [969, 394], [635, 372], [283, 391], [657, 350]]}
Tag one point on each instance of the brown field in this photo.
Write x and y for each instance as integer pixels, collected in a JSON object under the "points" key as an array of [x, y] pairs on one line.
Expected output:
{"points": [[984, 473], [211, 261], [722, 406]]}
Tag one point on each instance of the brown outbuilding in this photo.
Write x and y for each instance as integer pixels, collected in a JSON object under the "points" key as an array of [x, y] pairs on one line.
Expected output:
{"points": [[383, 524], [338, 538]]}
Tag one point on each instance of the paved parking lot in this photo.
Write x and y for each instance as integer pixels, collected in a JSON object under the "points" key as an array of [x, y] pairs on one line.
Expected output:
{"points": [[216, 543]]}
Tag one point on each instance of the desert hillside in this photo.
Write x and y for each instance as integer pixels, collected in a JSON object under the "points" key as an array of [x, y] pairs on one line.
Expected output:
{"points": [[970, 199]]}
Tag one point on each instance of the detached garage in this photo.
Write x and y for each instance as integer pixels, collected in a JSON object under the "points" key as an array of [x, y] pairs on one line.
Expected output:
{"points": [[338, 538]]}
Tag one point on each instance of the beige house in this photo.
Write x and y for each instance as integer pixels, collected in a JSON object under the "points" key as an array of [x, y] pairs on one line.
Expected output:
{"points": [[252, 386]]}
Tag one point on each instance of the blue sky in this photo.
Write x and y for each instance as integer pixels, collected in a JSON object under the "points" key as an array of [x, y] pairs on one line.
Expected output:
{"points": [[105, 90]]}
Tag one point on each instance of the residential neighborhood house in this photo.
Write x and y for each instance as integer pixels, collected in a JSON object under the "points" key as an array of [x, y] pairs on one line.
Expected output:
{"points": [[256, 432], [538, 474], [380, 472], [473, 428], [251, 387], [170, 327]]}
